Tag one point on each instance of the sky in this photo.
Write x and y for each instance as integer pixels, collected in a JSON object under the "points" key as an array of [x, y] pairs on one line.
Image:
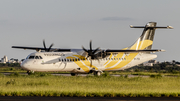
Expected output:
{"points": [[73, 23]]}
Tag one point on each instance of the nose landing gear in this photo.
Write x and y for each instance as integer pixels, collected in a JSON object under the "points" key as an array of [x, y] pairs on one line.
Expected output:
{"points": [[30, 72]]}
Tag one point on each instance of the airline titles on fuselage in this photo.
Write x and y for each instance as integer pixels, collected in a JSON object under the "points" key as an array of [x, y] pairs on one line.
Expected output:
{"points": [[54, 54]]}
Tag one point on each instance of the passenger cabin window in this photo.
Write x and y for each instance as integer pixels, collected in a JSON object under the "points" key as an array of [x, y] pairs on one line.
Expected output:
{"points": [[31, 57]]}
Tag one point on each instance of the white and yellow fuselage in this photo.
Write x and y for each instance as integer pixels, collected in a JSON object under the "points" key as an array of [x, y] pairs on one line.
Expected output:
{"points": [[72, 62]]}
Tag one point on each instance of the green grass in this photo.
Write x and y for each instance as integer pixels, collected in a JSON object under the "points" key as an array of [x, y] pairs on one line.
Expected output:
{"points": [[144, 73], [11, 69], [42, 84]]}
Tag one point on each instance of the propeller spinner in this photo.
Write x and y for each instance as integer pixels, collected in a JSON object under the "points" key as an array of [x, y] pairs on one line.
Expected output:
{"points": [[91, 53]]}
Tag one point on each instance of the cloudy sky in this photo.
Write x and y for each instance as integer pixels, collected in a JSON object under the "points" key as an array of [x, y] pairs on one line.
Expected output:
{"points": [[73, 23]]}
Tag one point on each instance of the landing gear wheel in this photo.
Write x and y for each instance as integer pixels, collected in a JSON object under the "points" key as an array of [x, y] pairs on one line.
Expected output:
{"points": [[30, 72], [97, 73], [74, 74]]}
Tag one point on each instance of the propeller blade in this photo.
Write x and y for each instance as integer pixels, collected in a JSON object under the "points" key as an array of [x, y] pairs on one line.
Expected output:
{"points": [[91, 63], [50, 47], [91, 53], [84, 49], [95, 50], [90, 45], [44, 45]]}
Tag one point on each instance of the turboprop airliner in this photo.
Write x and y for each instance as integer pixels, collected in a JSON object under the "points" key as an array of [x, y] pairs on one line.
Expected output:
{"points": [[95, 61]]}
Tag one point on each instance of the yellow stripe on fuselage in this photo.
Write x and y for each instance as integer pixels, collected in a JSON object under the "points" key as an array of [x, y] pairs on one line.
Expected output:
{"points": [[108, 59], [79, 63], [141, 45], [123, 63], [112, 63], [87, 63]]}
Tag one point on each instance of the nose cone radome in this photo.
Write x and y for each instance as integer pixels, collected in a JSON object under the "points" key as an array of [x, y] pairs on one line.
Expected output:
{"points": [[25, 65]]}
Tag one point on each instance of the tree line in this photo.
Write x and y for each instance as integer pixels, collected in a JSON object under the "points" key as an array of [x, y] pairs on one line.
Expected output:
{"points": [[163, 67], [10, 65]]}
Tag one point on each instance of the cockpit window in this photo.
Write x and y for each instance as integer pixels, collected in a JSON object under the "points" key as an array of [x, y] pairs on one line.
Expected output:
{"points": [[40, 57], [36, 57], [31, 57], [27, 57]]}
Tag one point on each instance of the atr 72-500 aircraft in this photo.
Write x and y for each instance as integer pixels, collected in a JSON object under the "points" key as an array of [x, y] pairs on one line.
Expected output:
{"points": [[93, 60]]}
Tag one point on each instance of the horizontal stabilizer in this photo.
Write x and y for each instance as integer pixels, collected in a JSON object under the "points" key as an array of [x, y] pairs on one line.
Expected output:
{"points": [[168, 27]]}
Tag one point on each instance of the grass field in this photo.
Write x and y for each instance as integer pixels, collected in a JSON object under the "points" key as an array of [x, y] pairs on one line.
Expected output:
{"points": [[11, 69], [42, 84]]}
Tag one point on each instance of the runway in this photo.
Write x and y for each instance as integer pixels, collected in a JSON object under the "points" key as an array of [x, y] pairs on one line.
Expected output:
{"points": [[63, 74], [15, 98], [68, 74]]}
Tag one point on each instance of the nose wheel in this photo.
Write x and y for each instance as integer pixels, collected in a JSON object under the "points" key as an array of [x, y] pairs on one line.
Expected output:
{"points": [[30, 72]]}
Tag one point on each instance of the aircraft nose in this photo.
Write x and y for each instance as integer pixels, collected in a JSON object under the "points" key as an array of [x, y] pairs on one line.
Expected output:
{"points": [[24, 65]]}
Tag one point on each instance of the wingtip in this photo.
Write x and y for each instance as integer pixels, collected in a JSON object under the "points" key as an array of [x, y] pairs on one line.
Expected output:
{"points": [[170, 27], [162, 50], [131, 26]]}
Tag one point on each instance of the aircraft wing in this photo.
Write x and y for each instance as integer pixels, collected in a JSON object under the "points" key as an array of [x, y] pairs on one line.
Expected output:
{"points": [[131, 51], [51, 61], [80, 50], [32, 48], [40, 48]]}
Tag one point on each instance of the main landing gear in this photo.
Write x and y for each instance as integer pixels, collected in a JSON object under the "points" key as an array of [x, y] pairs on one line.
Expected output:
{"points": [[30, 72], [74, 74], [97, 73]]}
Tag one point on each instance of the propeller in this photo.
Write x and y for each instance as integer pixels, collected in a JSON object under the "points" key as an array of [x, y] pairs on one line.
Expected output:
{"points": [[91, 53], [47, 49], [103, 54]]}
